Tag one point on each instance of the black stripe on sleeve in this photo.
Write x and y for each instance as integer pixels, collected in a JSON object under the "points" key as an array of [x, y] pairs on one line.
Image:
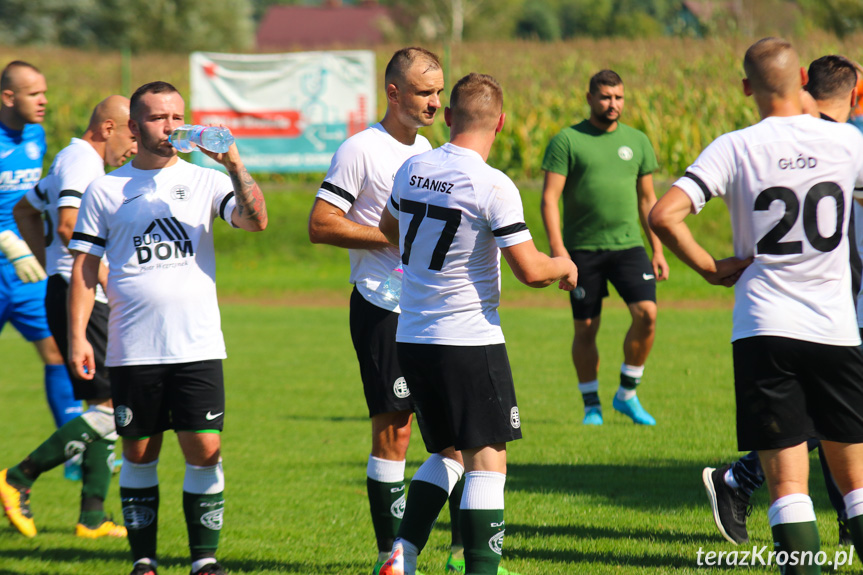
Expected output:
{"points": [[39, 193], [342, 193], [510, 229], [394, 203], [224, 205], [71, 194], [96, 241], [704, 191]]}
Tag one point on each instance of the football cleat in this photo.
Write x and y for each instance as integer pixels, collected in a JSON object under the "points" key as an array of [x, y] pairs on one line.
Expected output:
{"points": [[143, 569], [454, 565], [16, 504], [592, 416], [632, 409], [395, 565], [730, 506], [844, 533], [377, 568], [209, 569], [105, 529]]}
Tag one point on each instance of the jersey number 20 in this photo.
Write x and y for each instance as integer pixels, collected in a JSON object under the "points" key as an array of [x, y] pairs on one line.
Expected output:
{"points": [[419, 210], [771, 244]]}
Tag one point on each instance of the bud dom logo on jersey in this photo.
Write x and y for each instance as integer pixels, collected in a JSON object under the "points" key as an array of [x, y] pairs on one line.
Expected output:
{"points": [[164, 239]]}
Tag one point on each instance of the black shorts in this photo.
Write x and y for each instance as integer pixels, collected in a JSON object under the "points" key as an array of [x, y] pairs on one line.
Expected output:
{"points": [[790, 390], [462, 396], [629, 271], [148, 399], [97, 334], [373, 331]]}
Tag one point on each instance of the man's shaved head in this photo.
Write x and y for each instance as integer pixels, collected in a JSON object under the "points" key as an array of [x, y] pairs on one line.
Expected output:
{"points": [[772, 67], [111, 108], [404, 60], [11, 74], [476, 103]]}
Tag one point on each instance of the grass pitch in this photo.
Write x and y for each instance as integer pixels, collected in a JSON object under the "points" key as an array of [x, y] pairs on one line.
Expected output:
{"points": [[615, 499]]}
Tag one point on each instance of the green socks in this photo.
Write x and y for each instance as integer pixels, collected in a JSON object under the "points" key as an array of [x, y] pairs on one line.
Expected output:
{"points": [[72, 438], [141, 513], [483, 531], [204, 516], [424, 503], [97, 467], [795, 534], [387, 505]]}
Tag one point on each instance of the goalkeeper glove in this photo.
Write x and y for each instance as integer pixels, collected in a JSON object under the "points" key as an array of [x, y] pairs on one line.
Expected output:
{"points": [[18, 253]]}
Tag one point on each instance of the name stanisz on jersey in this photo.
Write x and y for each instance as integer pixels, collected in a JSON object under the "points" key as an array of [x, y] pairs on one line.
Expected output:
{"points": [[164, 238], [429, 184]]}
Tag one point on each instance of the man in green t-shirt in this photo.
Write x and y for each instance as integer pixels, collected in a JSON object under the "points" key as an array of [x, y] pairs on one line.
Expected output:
{"points": [[603, 169]]}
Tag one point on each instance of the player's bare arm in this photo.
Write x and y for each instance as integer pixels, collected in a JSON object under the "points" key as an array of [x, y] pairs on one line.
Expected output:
{"points": [[666, 219], [535, 269], [66, 218], [552, 189], [646, 201], [82, 295], [251, 212], [328, 225], [389, 227], [29, 221]]}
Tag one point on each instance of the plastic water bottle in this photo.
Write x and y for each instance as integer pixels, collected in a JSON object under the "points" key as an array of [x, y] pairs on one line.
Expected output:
{"points": [[212, 138], [392, 287]]}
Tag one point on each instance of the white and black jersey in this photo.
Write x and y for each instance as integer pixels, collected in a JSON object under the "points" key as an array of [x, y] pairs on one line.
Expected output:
{"points": [[455, 212], [359, 182], [74, 167], [788, 184], [155, 227]]}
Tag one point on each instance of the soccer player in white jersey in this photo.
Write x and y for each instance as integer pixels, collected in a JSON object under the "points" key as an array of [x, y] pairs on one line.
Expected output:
{"points": [[452, 215], [92, 435], [798, 364], [152, 219], [346, 213]]}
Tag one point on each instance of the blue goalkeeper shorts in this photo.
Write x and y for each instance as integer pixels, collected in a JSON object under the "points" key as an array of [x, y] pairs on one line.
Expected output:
{"points": [[23, 305]]}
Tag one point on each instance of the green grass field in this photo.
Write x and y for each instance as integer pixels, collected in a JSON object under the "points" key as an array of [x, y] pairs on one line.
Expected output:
{"points": [[616, 499]]}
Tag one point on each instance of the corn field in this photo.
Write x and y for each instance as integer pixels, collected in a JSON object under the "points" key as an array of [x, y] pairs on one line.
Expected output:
{"points": [[682, 93]]}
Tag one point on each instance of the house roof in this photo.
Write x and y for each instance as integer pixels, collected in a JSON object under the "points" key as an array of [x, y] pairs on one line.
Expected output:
{"points": [[704, 9], [319, 26]]}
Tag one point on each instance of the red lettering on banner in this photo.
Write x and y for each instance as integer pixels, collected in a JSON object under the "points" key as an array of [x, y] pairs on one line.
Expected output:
{"points": [[279, 123]]}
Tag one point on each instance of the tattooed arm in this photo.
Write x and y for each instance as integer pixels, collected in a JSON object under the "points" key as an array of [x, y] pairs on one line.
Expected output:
{"points": [[251, 211]]}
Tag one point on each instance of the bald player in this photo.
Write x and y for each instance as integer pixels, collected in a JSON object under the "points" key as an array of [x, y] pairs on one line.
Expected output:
{"points": [[107, 140], [22, 285], [798, 366]]}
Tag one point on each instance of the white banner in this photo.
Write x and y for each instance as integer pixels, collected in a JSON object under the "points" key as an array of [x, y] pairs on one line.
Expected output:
{"points": [[288, 112]]}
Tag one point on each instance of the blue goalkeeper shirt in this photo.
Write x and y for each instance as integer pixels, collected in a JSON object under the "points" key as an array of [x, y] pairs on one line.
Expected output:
{"points": [[21, 153]]}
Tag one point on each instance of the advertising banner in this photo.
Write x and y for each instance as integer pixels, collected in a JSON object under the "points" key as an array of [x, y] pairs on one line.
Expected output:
{"points": [[288, 112]]}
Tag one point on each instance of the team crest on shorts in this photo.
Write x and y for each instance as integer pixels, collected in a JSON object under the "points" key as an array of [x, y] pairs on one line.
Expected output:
{"points": [[625, 153], [122, 415], [496, 543], [514, 419], [214, 519], [73, 448], [400, 388]]}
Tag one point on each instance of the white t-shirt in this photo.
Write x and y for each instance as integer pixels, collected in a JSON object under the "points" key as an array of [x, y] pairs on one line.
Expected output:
{"points": [[74, 167], [155, 227], [455, 212], [788, 183], [359, 183]]}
